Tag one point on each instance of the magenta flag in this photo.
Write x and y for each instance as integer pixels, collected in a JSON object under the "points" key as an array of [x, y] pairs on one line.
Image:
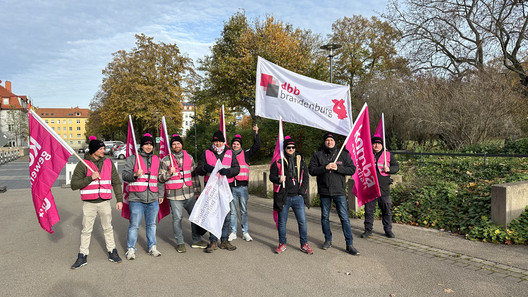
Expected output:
{"points": [[380, 129], [131, 149], [277, 155], [164, 150], [366, 186], [48, 154]]}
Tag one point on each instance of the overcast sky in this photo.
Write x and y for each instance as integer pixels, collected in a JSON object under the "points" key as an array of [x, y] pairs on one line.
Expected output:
{"points": [[54, 50]]}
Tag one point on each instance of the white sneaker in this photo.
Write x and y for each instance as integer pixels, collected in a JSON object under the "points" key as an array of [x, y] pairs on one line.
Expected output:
{"points": [[232, 237], [130, 254], [247, 237], [154, 251]]}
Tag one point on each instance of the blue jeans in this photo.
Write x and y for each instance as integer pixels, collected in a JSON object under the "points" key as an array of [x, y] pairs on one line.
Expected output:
{"points": [[177, 207], [342, 211], [240, 198], [137, 210], [225, 230], [297, 205]]}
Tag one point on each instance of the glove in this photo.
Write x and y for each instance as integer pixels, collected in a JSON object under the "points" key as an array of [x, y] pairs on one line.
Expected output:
{"points": [[223, 171], [208, 168]]}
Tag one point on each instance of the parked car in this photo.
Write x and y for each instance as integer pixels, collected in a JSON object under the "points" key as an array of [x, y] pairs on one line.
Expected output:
{"points": [[109, 144], [120, 153], [116, 147]]}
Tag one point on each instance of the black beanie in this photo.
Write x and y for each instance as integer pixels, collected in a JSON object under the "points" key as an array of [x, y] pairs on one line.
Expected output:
{"points": [[237, 138], [218, 136], [177, 138], [377, 139], [328, 135], [288, 141], [95, 144], [146, 139]]}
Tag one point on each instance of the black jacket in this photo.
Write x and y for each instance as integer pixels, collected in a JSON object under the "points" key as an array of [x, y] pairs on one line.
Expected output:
{"points": [[296, 184], [331, 182]]}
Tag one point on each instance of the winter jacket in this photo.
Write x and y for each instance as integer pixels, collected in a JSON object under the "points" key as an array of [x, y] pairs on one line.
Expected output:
{"points": [[331, 182], [386, 181], [147, 196], [296, 182]]}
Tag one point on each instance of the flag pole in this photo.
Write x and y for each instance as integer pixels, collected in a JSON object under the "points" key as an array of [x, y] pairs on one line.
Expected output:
{"points": [[134, 140], [384, 147], [350, 133], [167, 139]]}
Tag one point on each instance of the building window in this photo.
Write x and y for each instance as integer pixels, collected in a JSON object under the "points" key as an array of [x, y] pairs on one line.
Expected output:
{"points": [[52, 113], [78, 121], [64, 136], [63, 128], [78, 114], [58, 128], [46, 121], [78, 135], [53, 128], [71, 128], [78, 128], [53, 121], [79, 142], [11, 127], [70, 121], [64, 121], [71, 136]]}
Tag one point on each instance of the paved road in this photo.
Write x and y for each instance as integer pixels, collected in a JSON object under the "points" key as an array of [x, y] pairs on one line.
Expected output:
{"points": [[418, 262]]}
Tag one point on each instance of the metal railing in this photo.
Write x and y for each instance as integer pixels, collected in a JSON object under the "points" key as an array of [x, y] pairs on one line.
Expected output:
{"points": [[484, 155], [8, 156]]}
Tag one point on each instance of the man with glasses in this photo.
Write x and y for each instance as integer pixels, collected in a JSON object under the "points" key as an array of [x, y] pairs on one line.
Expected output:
{"points": [[291, 184], [331, 186]]}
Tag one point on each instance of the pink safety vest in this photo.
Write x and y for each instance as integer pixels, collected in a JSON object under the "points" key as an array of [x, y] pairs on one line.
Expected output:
{"points": [[143, 181], [101, 187], [276, 187], [181, 176], [381, 163], [210, 158], [244, 167]]}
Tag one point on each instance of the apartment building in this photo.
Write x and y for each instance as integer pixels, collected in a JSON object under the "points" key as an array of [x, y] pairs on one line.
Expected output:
{"points": [[188, 117], [69, 123], [13, 116]]}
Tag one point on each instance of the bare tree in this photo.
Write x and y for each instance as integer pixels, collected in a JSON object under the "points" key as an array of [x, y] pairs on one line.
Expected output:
{"points": [[459, 36]]}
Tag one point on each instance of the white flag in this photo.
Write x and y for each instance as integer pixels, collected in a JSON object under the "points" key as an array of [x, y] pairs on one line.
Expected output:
{"points": [[212, 206], [301, 100]]}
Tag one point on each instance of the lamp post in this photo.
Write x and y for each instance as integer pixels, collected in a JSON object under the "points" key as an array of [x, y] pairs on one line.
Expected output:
{"points": [[331, 47]]}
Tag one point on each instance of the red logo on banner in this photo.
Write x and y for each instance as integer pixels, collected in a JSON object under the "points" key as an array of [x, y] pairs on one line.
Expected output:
{"points": [[339, 108]]}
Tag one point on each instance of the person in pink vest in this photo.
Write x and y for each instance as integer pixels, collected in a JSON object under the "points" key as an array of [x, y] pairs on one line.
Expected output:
{"points": [[239, 186], [290, 187], [96, 192], [383, 170], [141, 173], [182, 186], [219, 151]]}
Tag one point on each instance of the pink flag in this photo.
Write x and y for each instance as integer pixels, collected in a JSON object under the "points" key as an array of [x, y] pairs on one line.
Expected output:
{"points": [[366, 186], [48, 154], [277, 155], [222, 123], [380, 129], [130, 150], [164, 208]]}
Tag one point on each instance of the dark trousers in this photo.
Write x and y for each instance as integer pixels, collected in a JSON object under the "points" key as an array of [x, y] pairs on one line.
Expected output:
{"points": [[384, 203]]}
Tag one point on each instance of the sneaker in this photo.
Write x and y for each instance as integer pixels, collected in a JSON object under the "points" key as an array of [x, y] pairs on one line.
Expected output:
{"points": [[180, 248], [247, 237], [306, 249], [351, 250], [199, 245], [226, 245], [114, 257], [80, 262], [281, 248], [232, 237], [213, 245], [327, 245], [130, 254], [366, 234], [154, 251], [390, 234]]}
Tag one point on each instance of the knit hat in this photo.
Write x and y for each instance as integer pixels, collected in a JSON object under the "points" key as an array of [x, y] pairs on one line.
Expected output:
{"points": [[377, 139], [146, 139], [218, 136], [176, 137], [95, 144], [237, 138], [288, 141], [328, 135]]}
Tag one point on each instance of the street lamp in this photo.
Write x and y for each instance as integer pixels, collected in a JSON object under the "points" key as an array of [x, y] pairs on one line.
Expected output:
{"points": [[331, 47]]}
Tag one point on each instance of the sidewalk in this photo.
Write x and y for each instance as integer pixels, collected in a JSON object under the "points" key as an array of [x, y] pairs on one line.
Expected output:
{"points": [[418, 262]]}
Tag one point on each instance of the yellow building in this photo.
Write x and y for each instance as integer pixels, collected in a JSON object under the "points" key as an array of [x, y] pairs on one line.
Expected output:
{"points": [[69, 123]]}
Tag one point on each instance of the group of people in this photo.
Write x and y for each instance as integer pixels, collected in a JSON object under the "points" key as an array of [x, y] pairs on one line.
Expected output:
{"points": [[176, 178]]}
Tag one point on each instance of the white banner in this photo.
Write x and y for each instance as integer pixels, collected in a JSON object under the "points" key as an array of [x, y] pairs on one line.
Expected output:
{"points": [[212, 206], [301, 100]]}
